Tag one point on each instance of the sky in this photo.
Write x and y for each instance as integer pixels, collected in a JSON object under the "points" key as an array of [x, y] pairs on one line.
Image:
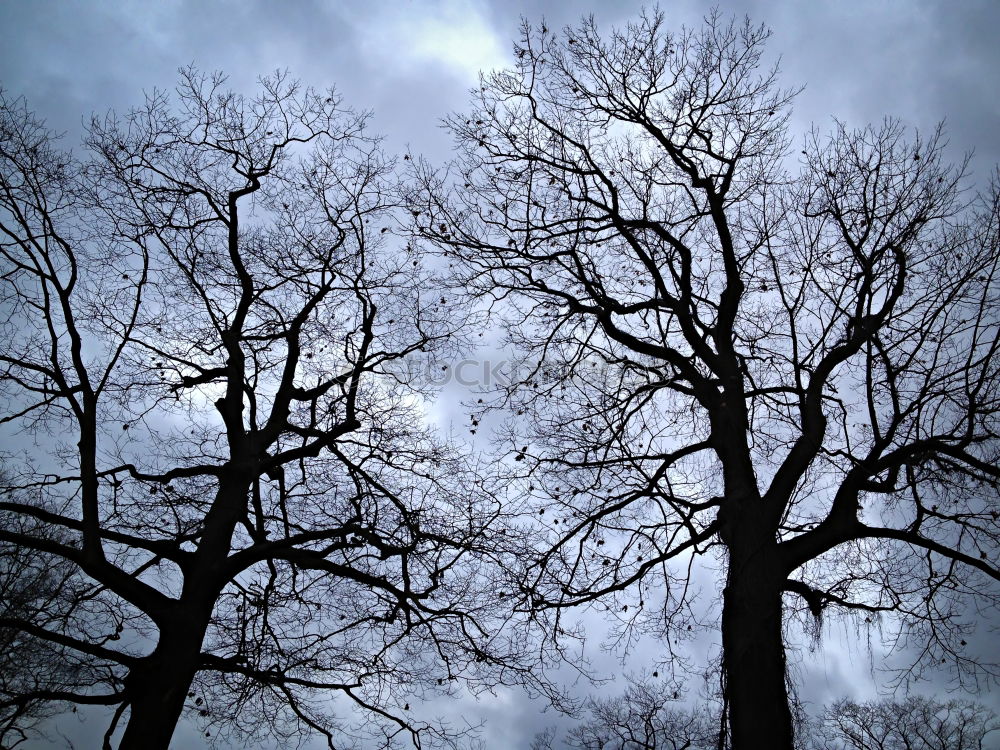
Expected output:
{"points": [[413, 61]]}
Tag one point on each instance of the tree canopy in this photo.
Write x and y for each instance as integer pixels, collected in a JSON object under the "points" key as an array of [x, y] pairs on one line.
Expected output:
{"points": [[225, 502], [781, 360]]}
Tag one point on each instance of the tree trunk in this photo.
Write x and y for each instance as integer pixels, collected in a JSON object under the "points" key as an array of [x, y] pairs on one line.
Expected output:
{"points": [[754, 652], [158, 689]]}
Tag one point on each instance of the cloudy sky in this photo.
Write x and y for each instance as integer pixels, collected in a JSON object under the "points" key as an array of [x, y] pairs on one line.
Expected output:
{"points": [[412, 61]]}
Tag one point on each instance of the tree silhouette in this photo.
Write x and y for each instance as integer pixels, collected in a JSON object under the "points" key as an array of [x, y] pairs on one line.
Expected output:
{"points": [[640, 719], [914, 723], [223, 502], [28, 583], [788, 370], [644, 719]]}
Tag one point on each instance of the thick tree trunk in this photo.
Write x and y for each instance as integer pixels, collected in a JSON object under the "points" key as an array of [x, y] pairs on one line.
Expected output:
{"points": [[158, 688], [754, 652]]}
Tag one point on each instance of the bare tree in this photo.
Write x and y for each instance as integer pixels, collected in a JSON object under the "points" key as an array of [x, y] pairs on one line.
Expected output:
{"points": [[643, 718], [220, 500], [789, 370], [28, 585], [915, 723]]}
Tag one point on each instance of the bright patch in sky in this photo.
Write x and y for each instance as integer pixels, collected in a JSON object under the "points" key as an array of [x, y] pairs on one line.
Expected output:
{"points": [[452, 33]]}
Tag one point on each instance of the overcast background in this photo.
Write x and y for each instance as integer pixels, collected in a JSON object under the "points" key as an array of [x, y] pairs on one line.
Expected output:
{"points": [[411, 62]]}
